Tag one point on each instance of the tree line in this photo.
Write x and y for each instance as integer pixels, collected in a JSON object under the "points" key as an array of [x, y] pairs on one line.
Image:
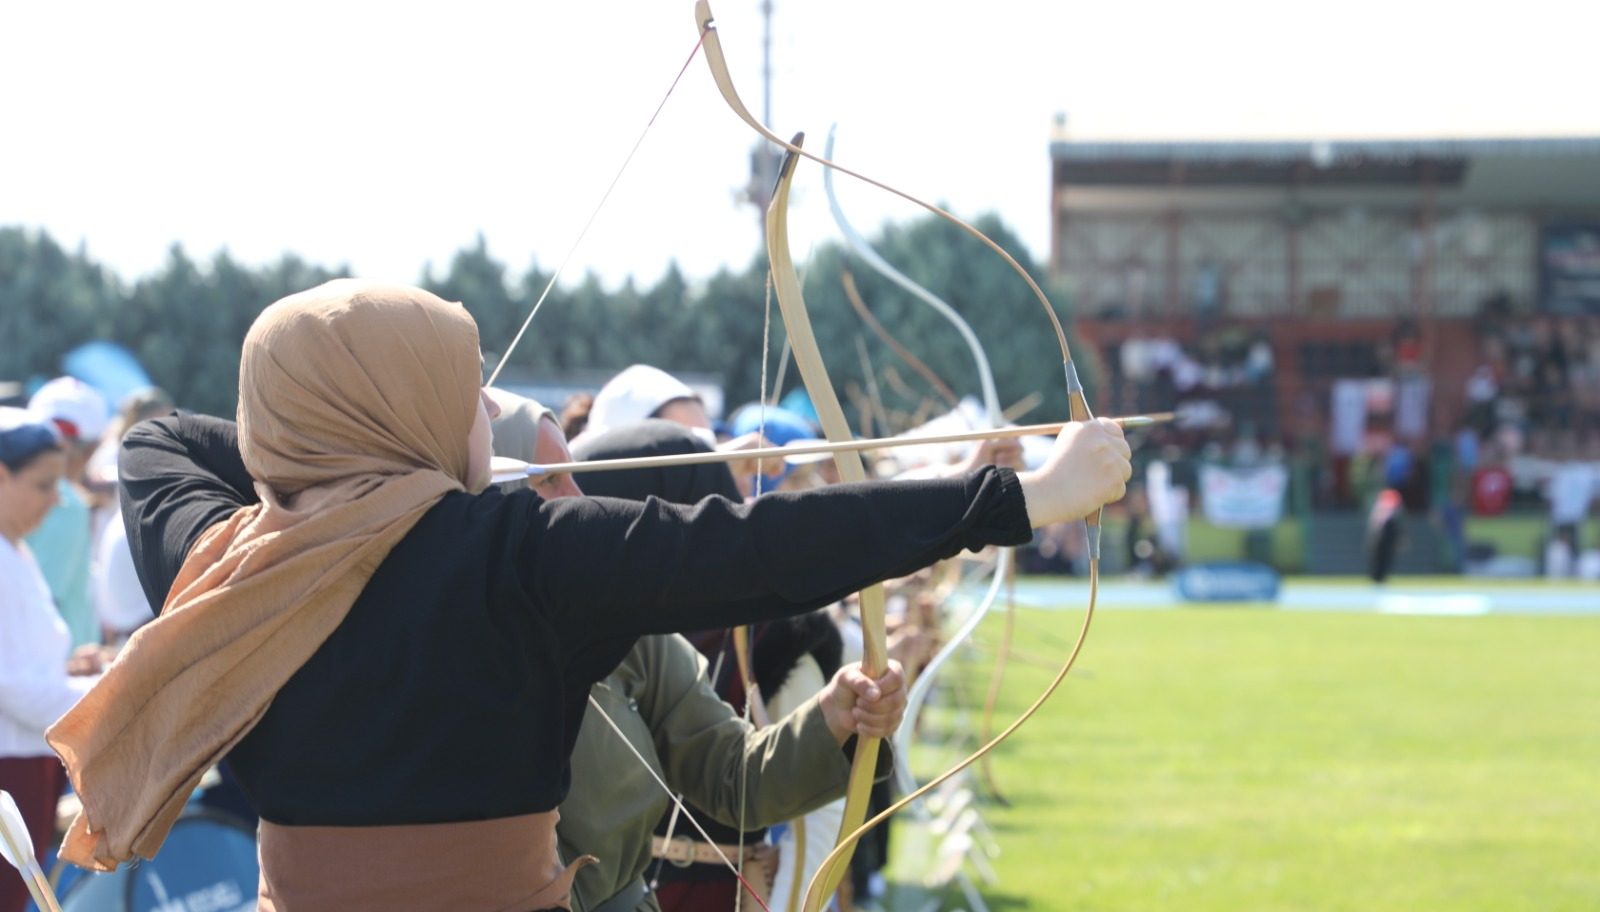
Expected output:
{"points": [[186, 321]]}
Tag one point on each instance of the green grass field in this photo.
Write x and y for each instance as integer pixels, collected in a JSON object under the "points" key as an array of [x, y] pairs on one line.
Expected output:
{"points": [[1227, 758]]}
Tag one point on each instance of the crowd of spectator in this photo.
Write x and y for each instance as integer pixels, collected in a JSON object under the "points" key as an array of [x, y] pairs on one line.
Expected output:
{"points": [[1537, 385], [1530, 437], [1527, 440]]}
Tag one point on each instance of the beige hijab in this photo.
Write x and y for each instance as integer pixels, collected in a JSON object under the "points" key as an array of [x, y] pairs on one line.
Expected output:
{"points": [[355, 403]]}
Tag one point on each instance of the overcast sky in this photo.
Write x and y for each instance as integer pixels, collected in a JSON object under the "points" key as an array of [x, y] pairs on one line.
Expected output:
{"points": [[387, 135]]}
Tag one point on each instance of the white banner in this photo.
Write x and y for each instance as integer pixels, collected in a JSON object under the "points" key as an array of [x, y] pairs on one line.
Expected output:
{"points": [[1243, 498], [1347, 424]]}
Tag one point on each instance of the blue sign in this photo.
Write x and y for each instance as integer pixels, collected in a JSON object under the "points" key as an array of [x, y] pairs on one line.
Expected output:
{"points": [[1228, 581]]}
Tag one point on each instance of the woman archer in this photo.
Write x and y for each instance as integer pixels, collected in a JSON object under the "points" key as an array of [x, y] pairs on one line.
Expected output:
{"points": [[394, 657]]}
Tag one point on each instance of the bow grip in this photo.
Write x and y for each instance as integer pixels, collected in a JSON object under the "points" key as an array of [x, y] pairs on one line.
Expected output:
{"points": [[1078, 405]]}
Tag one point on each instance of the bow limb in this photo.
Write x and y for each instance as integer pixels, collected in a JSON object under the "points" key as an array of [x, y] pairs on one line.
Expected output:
{"points": [[718, 63], [923, 685], [841, 853], [992, 418], [997, 676], [853, 295], [797, 887], [840, 856], [747, 678], [864, 250], [996, 679], [808, 358]]}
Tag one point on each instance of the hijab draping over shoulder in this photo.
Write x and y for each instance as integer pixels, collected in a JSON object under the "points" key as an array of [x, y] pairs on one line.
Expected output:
{"points": [[355, 403]]}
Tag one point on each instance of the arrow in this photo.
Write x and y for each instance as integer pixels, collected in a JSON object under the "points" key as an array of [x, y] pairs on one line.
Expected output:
{"points": [[504, 469]]}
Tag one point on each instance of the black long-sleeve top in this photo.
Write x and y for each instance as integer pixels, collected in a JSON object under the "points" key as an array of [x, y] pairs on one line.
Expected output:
{"points": [[454, 688]]}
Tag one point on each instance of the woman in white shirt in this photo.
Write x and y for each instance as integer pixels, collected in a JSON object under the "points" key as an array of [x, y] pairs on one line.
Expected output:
{"points": [[35, 684]]}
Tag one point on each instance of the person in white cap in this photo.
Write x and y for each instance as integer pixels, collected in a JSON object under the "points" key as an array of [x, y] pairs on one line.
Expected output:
{"points": [[63, 543], [641, 392]]}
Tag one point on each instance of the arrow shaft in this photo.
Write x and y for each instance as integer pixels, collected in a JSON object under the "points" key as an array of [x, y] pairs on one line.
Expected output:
{"points": [[504, 468]]}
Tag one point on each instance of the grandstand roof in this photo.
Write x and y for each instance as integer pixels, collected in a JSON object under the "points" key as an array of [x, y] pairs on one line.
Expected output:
{"points": [[1557, 172], [1328, 152]]}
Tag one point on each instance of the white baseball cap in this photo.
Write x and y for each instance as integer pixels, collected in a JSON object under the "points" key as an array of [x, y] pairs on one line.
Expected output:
{"points": [[634, 395], [76, 408]]}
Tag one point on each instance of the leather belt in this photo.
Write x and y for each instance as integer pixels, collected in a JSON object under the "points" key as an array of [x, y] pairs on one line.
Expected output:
{"points": [[683, 851]]}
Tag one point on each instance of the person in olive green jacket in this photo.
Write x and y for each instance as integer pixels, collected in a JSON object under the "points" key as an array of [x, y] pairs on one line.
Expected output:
{"points": [[662, 701]]}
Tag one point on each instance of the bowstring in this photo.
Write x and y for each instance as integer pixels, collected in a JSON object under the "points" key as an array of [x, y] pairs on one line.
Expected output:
{"points": [[755, 487], [756, 484], [544, 294], [595, 705], [551, 284], [672, 820]]}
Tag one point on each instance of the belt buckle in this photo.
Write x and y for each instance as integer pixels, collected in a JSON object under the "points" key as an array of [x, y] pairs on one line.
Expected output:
{"points": [[680, 857]]}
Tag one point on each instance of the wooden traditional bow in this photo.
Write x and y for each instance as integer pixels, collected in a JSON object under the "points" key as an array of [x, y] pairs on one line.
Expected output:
{"points": [[1004, 566], [787, 285], [830, 414]]}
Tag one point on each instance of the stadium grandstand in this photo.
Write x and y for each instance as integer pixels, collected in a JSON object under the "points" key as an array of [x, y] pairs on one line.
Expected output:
{"points": [[1415, 314]]}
